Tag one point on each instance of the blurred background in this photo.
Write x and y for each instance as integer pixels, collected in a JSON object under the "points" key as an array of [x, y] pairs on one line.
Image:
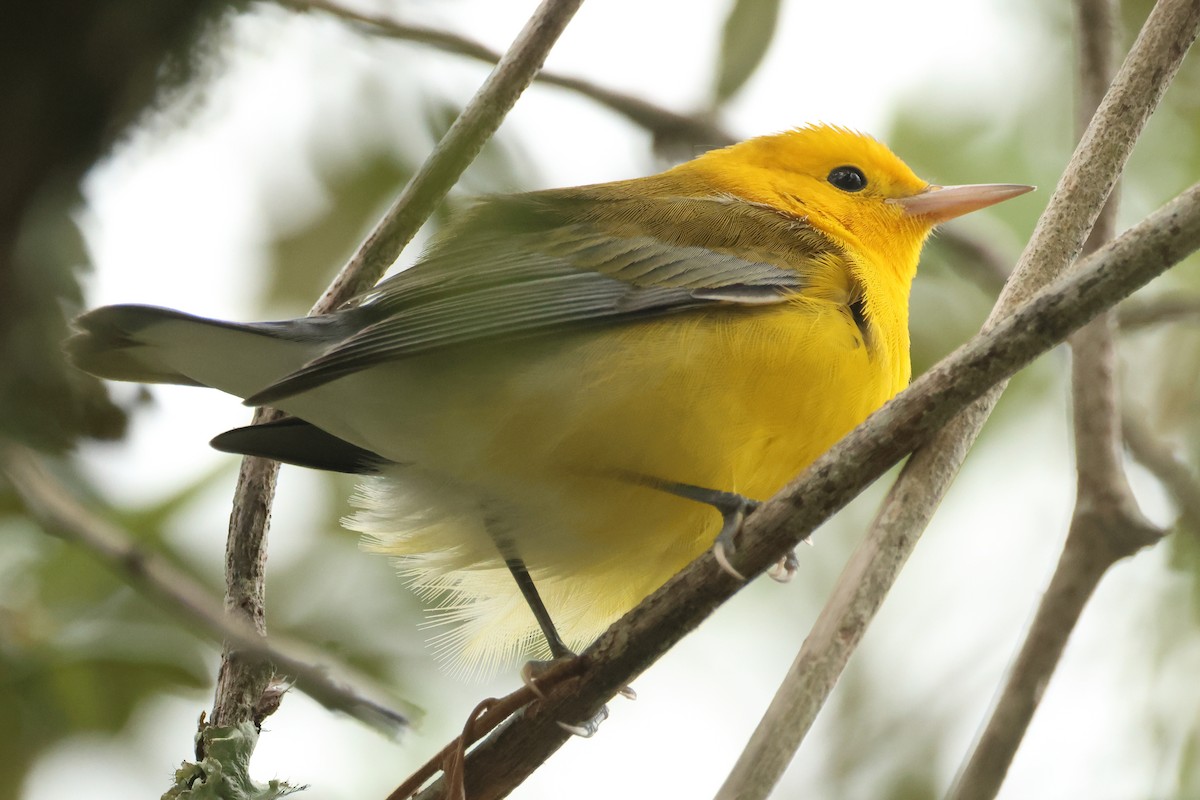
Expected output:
{"points": [[233, 179]]}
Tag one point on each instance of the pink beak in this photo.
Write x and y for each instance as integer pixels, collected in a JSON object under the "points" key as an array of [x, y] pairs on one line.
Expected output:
{"points": [[939, 203]]}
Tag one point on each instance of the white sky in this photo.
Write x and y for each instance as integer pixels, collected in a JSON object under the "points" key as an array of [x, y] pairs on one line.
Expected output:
{"points": [[175, 221]]}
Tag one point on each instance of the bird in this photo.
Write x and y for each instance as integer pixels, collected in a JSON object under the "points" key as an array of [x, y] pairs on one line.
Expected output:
{"points": [[575, 392]]}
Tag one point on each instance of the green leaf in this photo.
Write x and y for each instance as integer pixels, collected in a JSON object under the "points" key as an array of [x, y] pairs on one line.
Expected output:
{"points": [[306, 254], [748, 32]]}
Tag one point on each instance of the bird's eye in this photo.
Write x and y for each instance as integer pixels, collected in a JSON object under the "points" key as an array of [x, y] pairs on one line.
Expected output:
{"points": [[848, 179]]}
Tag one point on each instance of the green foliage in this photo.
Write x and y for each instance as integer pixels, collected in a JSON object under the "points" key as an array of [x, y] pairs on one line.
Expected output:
{"points": [[745, 39], [305, 255], [1184, 544], [45, 403], [359, 183], [79, 651]]}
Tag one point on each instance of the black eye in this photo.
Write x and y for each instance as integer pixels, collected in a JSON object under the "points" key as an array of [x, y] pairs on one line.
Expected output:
{"points": [[848, 179]]}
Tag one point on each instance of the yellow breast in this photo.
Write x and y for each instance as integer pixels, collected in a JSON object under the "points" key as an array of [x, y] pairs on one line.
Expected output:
{"points": [[738, 400]]}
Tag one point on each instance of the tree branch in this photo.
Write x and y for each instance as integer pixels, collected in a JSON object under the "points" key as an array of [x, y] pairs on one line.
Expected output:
{"points": [[1136, 315], [1107, 524], [179, 594], [667, 127], [1091, 548], [457, 149], [1094, 391], [988, 267], [910, 504], [1179, 479], [240, 682], [640, 637]]}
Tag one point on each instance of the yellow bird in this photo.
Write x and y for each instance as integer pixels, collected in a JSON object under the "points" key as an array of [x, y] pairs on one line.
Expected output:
{"points": [[583, 388]]}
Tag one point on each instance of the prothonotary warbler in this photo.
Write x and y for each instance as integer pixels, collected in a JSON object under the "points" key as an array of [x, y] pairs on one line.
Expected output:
{"points": [[583, 388]]}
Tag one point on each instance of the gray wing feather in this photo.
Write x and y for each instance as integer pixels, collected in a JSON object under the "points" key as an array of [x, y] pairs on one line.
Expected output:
{"points": [[489, 284]]}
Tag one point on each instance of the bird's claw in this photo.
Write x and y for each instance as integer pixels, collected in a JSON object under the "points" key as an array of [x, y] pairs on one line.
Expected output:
{"points": [[734, 509], [783, 570], [531, 675], [719, 547], [586, 729], [533, 672]]}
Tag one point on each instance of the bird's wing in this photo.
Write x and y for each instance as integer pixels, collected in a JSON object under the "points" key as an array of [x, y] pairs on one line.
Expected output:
{"points": [[550, 262]]}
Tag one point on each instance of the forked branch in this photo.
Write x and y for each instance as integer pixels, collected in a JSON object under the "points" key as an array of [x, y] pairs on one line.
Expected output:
{"points": [[873, 568], [1107, 524]]}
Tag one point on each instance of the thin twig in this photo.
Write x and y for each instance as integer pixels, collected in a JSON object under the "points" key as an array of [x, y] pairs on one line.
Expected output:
{"points": [[668, 128], [454, 153], [1107, 524], [978, 258], [912, 500], [176, 592], [986, 266], [489, 715], [505, 758], [1136, 315], [1090, 550], [241, 684], [1177, 477]]}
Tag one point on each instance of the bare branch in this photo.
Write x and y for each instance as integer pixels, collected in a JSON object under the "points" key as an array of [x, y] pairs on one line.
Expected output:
{"points": [[176, 592], [1179, 479], [1094, 389], [856, 598], [667, 127], [1135, 315], [240, 683], [488, 715], [1057, 239], [1107, 524], [1089, 552], [457, 149], [640, 637], [988, 267], [1101, 154]]}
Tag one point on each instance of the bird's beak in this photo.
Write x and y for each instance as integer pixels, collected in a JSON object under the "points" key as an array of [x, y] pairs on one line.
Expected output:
{"points": [[937, 204]]}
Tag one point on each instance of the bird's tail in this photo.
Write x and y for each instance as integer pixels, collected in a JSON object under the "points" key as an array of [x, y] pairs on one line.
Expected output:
{"points": [[146, 344]]}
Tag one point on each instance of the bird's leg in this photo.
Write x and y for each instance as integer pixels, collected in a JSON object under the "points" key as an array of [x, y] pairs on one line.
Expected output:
{"points": [[558, 648], [733, 507], [516, 567], [520, 573]]}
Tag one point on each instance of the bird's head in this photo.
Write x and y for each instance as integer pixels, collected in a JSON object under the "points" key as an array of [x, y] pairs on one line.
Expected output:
{"points": [[847, 185]]}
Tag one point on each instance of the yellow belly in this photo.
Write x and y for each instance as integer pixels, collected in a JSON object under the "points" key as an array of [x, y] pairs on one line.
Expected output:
{"points": [[531, 439]]}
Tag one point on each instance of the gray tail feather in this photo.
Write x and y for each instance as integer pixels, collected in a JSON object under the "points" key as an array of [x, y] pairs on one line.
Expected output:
{"points": [[107, 344], [147, 344]]}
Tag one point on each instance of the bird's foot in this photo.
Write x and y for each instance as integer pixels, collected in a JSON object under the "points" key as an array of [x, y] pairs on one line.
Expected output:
{"points": [[539, 676], [734, 509]]}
